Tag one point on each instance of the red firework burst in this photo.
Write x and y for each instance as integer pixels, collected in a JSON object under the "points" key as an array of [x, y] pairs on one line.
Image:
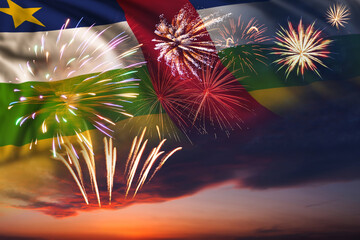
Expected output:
{"points": [[216, 100], [161, 95], [168, 91]]}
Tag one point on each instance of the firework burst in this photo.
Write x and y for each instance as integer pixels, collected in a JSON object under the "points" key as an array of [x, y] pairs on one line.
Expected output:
{"points": [[72, 107], [76, 104], [160, 95], [246, 37], [185, 44], [338, 15], [300, 48], [76, 52], [216, 99]]}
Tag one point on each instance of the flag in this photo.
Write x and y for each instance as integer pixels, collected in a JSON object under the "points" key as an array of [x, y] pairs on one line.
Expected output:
{"points": [[183, 69], [33, 33]]}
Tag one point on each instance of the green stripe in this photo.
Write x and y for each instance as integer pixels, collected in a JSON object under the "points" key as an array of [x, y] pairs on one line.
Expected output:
{"points": [[13, 134], [344, 63]]}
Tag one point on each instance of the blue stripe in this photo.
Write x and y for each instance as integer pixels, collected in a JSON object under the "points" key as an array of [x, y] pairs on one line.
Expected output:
{"points": [[54, 13], [200, 4]]}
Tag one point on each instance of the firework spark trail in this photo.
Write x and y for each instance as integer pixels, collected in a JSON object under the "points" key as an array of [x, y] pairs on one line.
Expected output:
{"points": [[338, 15], [76, 177], [160, 95], [135, 157], [133, 169], [110, 158], [71, 107], [148, 165], [183, 44], [159, 133], [80, 185], [300, 48], [134, 150], [136, 153], [74, 160], [244, 35], [88, 156], [216, 100], [163, 160]]}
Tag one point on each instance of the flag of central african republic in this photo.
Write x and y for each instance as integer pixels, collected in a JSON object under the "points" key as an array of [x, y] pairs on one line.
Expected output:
{"points": [[183, 67]]}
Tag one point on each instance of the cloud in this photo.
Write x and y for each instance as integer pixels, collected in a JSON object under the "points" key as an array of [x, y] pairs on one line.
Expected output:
{"points": [[53, 209], [318, 204], [298, 236], [308, 236], [4, 237], [268, 230]]}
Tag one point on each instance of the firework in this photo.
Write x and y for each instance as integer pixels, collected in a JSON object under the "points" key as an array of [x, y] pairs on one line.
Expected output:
{"points": [[246, 37], [87, 101], [75, 52], [73, 162], [110, 158], [216, 100], [185, 44], [74, 175], [65, 108], [134, 159], [338, 15], [163, 160], [135, 156], [160, 95], [301, 48]]}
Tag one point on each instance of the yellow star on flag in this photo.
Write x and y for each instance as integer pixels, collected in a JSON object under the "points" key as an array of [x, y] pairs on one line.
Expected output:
{"points": [[20, 14]]}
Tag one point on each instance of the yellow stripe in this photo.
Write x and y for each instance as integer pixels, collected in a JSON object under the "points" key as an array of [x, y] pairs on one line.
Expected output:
{"points": [[289, 99], [125, 131]]}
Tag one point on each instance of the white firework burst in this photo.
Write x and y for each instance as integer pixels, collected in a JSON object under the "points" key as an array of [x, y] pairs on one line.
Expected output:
{"points": [[301, 48], [338, 15], [185, 44]]}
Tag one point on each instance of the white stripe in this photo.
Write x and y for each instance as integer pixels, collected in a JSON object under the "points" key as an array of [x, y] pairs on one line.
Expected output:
{"points": [[18, 51]]}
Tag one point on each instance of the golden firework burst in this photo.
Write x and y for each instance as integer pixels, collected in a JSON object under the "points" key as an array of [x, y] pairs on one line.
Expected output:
{"points": [[301, 48], [338, 15]]}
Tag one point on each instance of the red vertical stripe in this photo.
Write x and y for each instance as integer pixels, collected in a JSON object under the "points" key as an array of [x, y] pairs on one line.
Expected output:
{"points": [[143, 15]]}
